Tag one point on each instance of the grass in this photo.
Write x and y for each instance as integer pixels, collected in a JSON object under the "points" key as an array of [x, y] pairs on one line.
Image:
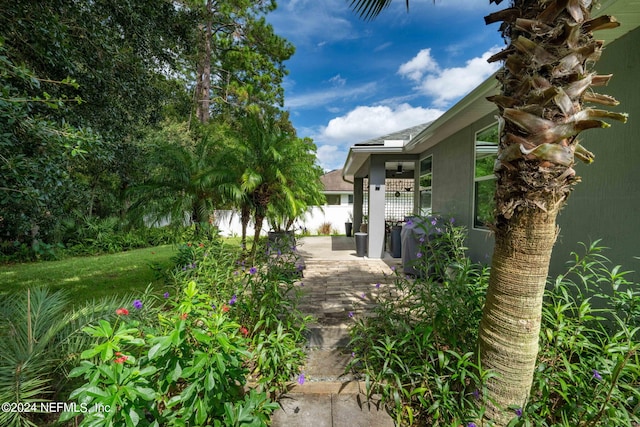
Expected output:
{"points": [[91, 277]]}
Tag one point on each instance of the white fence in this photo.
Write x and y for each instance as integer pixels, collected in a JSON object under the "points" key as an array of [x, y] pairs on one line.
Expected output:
{"points": [[229, 221]]}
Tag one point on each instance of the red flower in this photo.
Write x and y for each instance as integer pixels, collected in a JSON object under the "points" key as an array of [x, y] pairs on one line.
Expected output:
{"points": [[122, 312], [121, 359], [225, 308], [189, 244], [201, 245], [183, 316], [244, 331]]}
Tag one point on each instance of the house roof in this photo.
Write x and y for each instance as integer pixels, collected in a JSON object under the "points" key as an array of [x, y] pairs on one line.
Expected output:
{"points": [[474, 106], [401, 135], [333, 182]]}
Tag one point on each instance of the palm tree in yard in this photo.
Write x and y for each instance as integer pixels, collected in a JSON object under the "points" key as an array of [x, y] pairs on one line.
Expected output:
{"points": [[263, 141], [545, 102]]}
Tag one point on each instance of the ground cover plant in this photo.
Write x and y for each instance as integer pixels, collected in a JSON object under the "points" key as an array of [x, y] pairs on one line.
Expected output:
{"points": [[216, 349], [419, 352]]}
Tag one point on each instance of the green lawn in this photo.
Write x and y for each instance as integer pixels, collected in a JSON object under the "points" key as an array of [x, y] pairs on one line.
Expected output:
{"points": [[91, 277]]}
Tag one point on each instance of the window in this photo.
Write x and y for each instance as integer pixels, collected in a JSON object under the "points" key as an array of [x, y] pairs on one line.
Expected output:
{"points": [[486, 153], [333, 199], [425, 186], [350, 199]]}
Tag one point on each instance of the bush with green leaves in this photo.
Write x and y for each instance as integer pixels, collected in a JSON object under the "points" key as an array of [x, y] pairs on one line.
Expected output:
{"points": [[40, 340], [188, 369], [419, 352], [265, 295], [588, 371], [227, 339]]}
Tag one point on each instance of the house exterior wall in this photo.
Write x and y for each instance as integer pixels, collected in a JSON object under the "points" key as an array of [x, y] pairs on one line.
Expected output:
{"points": [[452, 185], [604, 205]]}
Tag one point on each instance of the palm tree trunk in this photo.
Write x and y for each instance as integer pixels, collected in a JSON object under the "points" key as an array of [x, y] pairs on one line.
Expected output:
{"points": [[510, 327], [258, 219], [245, 215]]}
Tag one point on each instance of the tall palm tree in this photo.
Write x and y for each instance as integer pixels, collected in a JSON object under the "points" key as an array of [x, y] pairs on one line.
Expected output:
{"points": [[264, 140], [546, 83], [183, 177]]}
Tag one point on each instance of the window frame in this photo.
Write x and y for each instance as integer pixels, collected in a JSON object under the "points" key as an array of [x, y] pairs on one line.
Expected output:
{"points": [[428, 189], [475, 220]]}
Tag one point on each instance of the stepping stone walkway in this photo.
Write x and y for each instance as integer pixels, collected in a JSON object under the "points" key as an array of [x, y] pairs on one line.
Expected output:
{"points": [[336, 286]]}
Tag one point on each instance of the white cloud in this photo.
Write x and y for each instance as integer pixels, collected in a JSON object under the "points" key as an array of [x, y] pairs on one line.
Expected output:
{"points": [[449, 84], [325, 96], [452, 83], [366, 122], [337, 80], [417, 67], [331, 157]]}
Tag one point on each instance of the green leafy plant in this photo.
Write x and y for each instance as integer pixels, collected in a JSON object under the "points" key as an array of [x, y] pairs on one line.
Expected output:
{"points": [[418, 352], [40, 339], [189, 369], [589, 367]]}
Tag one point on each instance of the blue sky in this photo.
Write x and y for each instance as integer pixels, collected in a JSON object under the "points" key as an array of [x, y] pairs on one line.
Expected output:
{"points": [[351, 80]]}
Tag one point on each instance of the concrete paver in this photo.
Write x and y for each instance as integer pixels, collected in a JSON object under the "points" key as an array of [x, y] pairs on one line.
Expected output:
{"points": [[337, 287]]}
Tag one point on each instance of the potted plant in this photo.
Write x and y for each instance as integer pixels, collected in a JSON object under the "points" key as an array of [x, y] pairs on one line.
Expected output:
{"points": [[364, 228], [348, 226]]}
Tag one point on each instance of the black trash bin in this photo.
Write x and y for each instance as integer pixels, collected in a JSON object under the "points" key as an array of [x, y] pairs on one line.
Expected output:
{"points": [[361, 244], [396, 241]]}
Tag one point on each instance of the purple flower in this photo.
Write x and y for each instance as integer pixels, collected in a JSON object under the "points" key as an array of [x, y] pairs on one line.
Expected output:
{"points": [[253, 270], [377, 285], [279, 252], [353, 354], [351, 314], [597, 375], [421, 240], [409, 222], [452, 220], [434, 222], [301, 379], [301, 283], [233, 300], [476, 394], [472, 424], [137, 304], [519, 412], [363, 295], [419, 254], [393, 268], [166, 295]]}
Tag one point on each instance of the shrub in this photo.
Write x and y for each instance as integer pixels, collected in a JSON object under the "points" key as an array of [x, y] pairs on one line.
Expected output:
{"points": [[324, 229], [188, 361], [186, 370], [588, 370], [418, 351], [40, 339]]}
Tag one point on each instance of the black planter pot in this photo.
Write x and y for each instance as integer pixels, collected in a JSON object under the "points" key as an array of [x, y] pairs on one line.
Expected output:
{"points": [[348, 226]]}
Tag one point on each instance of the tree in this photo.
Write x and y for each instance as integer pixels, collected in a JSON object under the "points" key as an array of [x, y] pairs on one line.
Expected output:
{"points": [[239, 59], [277, 168], [545, 85], [119, 56], [183, 182]]}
